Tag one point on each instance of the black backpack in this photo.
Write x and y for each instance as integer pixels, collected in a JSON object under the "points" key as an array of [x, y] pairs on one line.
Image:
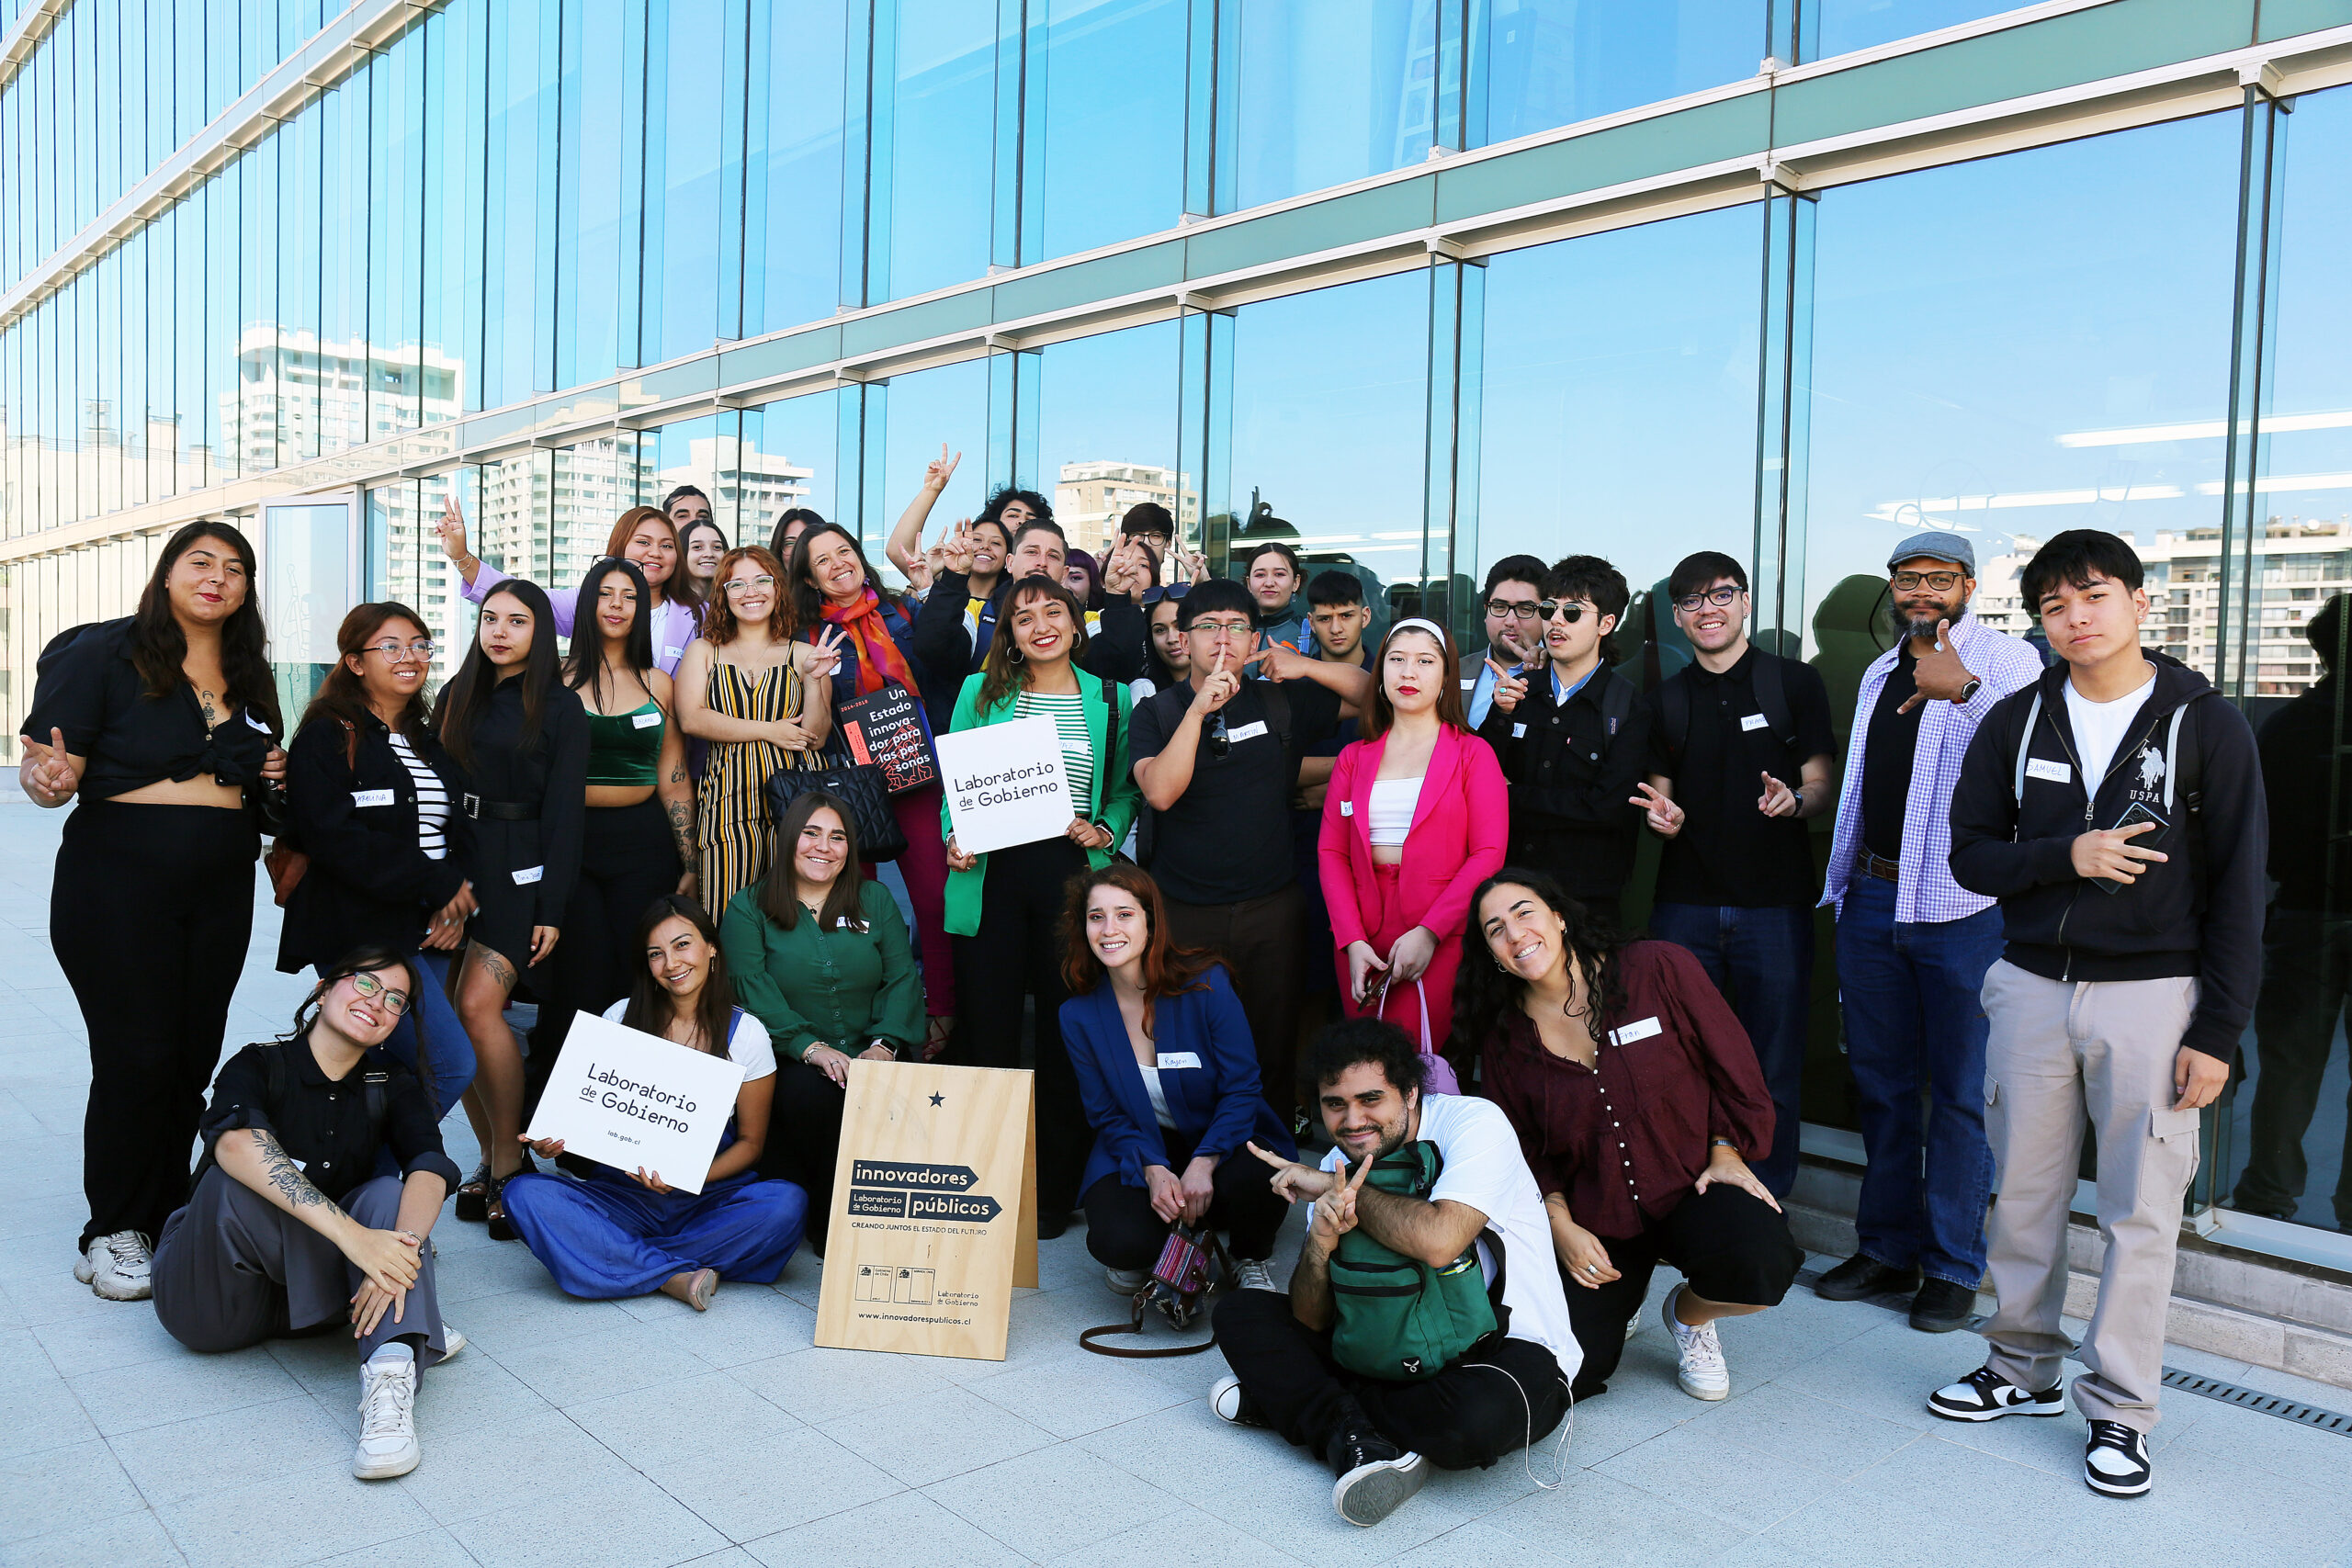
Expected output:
{"points": [[377, 1084], [1771, 697]]}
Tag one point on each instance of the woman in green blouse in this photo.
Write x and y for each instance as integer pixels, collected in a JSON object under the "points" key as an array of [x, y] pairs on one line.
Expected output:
{"points": [[820, 956]]}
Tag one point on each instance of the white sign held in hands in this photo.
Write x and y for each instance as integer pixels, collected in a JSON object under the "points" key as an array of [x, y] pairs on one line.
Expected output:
{"points": [[1005, 784], [632, 1099]]}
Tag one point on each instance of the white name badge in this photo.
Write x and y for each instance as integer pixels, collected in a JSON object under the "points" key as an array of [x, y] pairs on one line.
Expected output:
{"points": [[1518, 732], [371, 797], [673, 652], [1250, 731], [1753, 721], [1633, 1032], [1471, 684], [2040, 768], [1179, 1059], [646, 720], [1347, 808], [254, 722], [529, 875]]}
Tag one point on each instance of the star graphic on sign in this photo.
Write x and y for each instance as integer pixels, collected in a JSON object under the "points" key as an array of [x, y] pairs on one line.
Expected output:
{"points": [[938, 1099]]}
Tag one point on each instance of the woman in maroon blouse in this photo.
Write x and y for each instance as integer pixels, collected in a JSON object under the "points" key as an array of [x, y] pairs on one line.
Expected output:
{"points": [[1637, 1098]]}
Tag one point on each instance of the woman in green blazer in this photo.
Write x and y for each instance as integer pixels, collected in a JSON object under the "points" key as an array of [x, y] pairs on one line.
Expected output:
{"points": [[1004, 909]]}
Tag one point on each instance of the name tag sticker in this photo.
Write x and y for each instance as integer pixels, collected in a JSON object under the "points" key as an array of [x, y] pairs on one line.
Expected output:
{"points": [[371, 797], [1177, 1059], [254, 722], [673, 652], [1471, 684], [1518, 732], [645, 720], [1753, 721], [1633, 1032], [1347, 808], [529, 875], [2042, 768], [1250, 731]]}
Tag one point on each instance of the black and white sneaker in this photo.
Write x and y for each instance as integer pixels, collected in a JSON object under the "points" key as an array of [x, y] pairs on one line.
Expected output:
{"points": [[1233, 1406], [1985, 1395], [1375, 1475], [2114, 1462]]}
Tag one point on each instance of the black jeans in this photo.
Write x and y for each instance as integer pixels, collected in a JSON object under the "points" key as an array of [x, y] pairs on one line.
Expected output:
{"points": [[1263, 944], [628, 859], [805, 1138], [1121, 1232], [1733, 1249], [149, 916], [1507, 1395], [1017, 951]]}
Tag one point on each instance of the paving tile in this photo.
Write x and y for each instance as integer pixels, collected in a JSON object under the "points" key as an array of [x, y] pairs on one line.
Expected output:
{"points": [[1749, 1489], [821, 1385], [178, 1388], [693, 1422], [943, 1433], [465, 1273], [126, 1541], [39, 1411], [1078, 1392], [1889, 1372], [1775, 1420], [1052, 1500], [633, 1523], [297, 1518], [427, 1548], [613, 1360], [507, 1465], [2259, 1442], [516, 1321], [803, 1475], [1593, 1518], [52, 1489], [744, 1322], [906, 1530], [89, 1344], [1148, 1542], [233, 1449]]}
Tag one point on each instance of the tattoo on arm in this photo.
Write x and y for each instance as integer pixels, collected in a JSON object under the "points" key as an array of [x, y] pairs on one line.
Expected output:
{"points": [[286, 1177], [682, 827]]}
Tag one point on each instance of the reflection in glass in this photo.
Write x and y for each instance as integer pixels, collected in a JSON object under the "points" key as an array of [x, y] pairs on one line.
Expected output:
{"points": [[1837, 27], [1540, 64], [1105, 82], [1320, 91], [930, 207], [593, 482], [589, 263], [1106, 433], [792, 169], [787, 460], [949, 404], [685, 61]]}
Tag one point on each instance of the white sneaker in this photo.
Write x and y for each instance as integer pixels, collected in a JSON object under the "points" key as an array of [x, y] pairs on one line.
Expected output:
{"points": [[1126, 1281], [387, 1420], [117, 1267], [452, 1341], [1701, 1371], [1230, 1406], [1249, 1274]]}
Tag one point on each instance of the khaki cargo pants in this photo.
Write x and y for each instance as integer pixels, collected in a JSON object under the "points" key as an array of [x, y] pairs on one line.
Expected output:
{"points": [[2060, 1052]]}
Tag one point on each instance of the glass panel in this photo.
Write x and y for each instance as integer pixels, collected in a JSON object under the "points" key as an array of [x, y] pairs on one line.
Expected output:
{"points": [[392, 363], [931, 218], [792, 184], [1330, 423], [511, 516], [1540, 64], [1106, 433], [685, 48], [947, 405], [518, 169], [1106, 94], [302, 353], [588, 228], [1325, 91], [2289, 1141], [1835, 27], [349, 240], [787, 460], [455, 131], [306, 593], [259, 415]]}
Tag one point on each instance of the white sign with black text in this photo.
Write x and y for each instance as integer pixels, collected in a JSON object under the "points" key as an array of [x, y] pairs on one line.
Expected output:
{"points": [[1005, 784], [632, 1099]]}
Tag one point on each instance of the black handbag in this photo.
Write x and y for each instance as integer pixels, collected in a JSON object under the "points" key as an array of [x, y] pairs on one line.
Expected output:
{"points": [[858, 786]]}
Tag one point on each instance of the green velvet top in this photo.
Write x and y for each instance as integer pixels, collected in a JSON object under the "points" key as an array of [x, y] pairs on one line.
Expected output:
{"points": [[842, 988]]}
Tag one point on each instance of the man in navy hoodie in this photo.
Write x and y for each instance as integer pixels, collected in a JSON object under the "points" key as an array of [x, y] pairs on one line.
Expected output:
{"points": [[2115, 809]]}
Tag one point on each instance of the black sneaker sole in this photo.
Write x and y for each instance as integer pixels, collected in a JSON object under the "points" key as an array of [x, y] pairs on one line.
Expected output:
{"points": [[1370, 1493], [1941, 1324], [1898, 1285]]}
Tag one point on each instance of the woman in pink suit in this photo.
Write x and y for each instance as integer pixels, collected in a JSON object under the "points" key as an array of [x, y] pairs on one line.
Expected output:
{"points": [[1418, 815]]}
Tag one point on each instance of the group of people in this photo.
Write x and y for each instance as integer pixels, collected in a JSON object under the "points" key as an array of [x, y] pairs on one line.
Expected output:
{"points": [[1330, 880]]}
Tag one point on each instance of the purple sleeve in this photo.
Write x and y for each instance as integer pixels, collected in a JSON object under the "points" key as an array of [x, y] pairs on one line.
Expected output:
{"points": [[488, 578]]}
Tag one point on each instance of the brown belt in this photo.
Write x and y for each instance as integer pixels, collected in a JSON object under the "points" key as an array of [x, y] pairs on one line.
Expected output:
{"points": [[1869, 865]]}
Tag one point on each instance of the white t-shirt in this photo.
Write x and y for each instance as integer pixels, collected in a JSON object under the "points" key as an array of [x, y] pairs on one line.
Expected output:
{"points": [[1485, 1170], [2100, 728], [749, 1043]]}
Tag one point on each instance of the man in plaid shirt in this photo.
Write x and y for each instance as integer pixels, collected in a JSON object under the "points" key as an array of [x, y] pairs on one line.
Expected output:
{"points": [[1913, 946]]}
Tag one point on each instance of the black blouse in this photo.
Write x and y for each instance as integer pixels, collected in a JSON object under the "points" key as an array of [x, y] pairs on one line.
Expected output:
{"points": [[551, 776], [322, 1123], [89, 689]]}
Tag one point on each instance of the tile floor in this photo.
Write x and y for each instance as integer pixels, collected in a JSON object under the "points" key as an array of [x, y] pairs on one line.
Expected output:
{"points": [[638, 1435]]}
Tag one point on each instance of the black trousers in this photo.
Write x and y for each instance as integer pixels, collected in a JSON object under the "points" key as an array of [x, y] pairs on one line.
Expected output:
{"points": [[1263, 944], [150, 915], [628, 859], [1122, 1233], [1017, 951], [1509, 1395], [805, 1138], [1731, 1247]]}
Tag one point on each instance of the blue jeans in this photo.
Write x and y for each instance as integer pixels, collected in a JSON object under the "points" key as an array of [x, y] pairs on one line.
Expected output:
{"points": [[449, 1050], [1762, 961], [1915, 1019]]}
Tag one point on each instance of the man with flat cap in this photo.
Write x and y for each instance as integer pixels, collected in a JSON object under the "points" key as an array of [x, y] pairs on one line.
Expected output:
{"points": [[1913, 945]]}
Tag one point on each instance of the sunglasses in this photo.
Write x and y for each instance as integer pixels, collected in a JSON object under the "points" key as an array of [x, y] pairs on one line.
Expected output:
{"points": [[1560, 610], [1220, 743]]}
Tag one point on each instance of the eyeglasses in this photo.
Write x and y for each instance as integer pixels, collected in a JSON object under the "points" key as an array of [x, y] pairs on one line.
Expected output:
{"points": [[1561, 610], [1941, 582], [394, 652], [1222, 628], [745, 584], [1721, 598], [369, 988], [1517, 610]]}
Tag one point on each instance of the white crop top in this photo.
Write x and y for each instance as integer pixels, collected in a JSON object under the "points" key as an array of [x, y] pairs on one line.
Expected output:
{"points": [[1393, 804]]}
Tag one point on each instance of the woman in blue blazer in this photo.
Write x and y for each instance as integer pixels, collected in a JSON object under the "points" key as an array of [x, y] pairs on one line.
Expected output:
{"points": [[1168, 1079]]}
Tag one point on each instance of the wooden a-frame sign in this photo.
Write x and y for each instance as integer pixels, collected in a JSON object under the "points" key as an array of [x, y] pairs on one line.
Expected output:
{"points": [[934, 1215]]}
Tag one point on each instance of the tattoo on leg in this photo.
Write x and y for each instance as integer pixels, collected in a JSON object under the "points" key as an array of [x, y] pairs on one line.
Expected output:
{"points": [[492, 964], [286, 1177]]}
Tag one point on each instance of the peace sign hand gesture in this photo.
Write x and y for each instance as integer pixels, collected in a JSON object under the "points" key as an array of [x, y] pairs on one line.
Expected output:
{"points": [[1293, 1180], [1665, 817], [940, 469], [46, 773], [1511, 687], [452, 529], [825, 654], [1335, 1211], [955, 550]]}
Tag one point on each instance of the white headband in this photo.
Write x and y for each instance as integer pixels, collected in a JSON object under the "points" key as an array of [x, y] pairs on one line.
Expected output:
{"points": [[1416, 624]]}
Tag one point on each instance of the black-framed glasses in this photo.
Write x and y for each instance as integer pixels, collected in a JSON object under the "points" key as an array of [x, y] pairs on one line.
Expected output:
{"points": [[1721, 598], [1518, 610], [393, 651], [1220, 743], [369, 988], [745, 584], [1561, 610], [1941, 582]]}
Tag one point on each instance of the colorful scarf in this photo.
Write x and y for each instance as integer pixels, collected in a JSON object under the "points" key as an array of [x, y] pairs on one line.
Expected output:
{"points": [[879, 661]]}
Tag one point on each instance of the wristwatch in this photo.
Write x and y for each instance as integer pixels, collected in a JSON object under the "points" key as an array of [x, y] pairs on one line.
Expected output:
{"points": [[1968, 692]]}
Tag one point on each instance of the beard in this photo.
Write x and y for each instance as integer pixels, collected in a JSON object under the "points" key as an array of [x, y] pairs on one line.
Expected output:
{"points": [[1905, 623]]}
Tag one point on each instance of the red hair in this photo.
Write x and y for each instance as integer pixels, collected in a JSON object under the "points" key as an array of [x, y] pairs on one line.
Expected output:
{"points": [[1167, 968]]}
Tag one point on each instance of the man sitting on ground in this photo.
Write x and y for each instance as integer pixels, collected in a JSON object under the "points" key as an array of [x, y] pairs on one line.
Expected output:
{"points": [[1448, 1188]]}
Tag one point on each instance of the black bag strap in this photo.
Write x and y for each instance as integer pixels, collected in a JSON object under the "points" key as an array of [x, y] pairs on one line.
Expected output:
{"points": [[1674, 714], [1772, 697], [1277, 702], [1091, 1339], [1616, 701]]}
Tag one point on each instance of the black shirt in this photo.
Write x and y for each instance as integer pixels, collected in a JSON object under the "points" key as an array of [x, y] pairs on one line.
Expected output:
{"points": [[1227, 836], [1887, 753], [1572, 773], [322, 1123], [1728, 852], [89, 688]]}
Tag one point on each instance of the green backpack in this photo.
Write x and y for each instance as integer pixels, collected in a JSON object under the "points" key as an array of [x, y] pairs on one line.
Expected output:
{"points": [[1395, 1317]]}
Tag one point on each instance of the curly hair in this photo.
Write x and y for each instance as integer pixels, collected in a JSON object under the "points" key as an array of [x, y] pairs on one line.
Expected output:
{"points": [[1483, 992], [1167, 969]]}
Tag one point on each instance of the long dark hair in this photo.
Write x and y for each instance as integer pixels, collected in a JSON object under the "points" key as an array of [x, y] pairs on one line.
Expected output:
{"points": [[680, 589], [780, 889], [341, 695], [807, 517], [1167, 969], [583, 669], [808, 601], [1003, 669], [159, 647], [467, 696], [1484, 992], [650, 1006], [377, 955]]}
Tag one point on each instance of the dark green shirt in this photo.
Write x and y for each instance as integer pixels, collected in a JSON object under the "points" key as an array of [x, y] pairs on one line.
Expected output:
{"points": [[842, 986]]}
